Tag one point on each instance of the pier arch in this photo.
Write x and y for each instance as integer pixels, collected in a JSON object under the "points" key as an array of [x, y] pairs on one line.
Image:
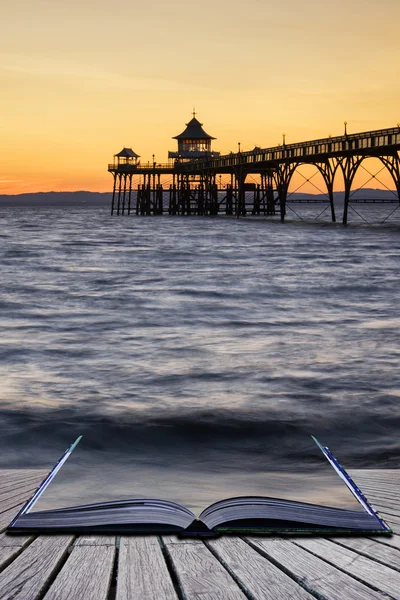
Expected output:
{"points": [[374, 171], [318, 179]]}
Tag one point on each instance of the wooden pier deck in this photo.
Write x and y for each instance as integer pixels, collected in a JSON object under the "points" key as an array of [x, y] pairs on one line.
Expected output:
{"points": [[67, 567]]}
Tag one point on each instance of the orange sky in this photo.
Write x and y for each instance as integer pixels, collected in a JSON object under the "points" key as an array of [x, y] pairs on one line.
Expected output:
{"points": [[83, 78]]}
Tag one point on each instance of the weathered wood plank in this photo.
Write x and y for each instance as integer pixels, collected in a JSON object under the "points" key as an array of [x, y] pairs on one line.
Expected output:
{"points": [[393, 526], [256, 574], [391, 519], [388, 507], [380, 482], [379, 489], [11, 481], [378, 499], [6, 495], [10, 541], [95, 540], [368, 547], [380, 502], [377, 471], [8, 478], [381, 492], [86, 575], [21, 497], [393, 540], [23, 473], [316, 575], [27, 488], [28, 576], [379, 485], [391, 474], [368, 571], [7, 516], [200, 574], [7, 555], [386, 478], [383, 480], [21, 486], [10, 547], [174, 539], [142, 571], [375, 497], [385, 506]]}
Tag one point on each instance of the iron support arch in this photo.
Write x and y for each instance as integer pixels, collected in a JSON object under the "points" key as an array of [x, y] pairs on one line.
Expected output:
{"points": [[392, 163], [349, 166], [328, 171], [283, 174]]}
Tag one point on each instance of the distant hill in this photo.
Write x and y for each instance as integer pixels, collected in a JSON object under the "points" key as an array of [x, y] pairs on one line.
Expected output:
{"points": [[46, 199], [84, 199]]}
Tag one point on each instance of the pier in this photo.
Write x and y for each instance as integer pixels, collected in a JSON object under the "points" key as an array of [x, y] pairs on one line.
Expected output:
{"points": [[200, 181], [107, 567]]}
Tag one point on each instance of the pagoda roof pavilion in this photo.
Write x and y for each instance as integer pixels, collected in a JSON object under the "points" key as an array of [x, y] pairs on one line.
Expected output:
{"points": [[193, 131], [127, 153]]}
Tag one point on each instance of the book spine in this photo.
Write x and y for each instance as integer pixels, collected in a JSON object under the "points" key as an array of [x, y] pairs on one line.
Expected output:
{"points": [[33, 499]]}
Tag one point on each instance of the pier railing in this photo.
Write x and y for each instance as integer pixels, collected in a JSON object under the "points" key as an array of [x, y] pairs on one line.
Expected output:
{"points": [[140, 167], [331, 145]]}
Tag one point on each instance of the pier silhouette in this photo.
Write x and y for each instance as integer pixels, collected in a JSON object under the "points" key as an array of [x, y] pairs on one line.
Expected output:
{"points": [[194, 169]]}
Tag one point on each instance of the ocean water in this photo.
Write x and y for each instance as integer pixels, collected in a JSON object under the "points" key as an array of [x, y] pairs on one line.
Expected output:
{"points": [[197, 345]]}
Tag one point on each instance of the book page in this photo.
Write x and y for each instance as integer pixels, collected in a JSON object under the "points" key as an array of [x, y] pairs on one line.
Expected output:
{"points": [[194, 480]]}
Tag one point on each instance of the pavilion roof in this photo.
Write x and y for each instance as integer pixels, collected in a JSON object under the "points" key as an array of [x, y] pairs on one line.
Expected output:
{"points": [[127, 153], [193, 131]]}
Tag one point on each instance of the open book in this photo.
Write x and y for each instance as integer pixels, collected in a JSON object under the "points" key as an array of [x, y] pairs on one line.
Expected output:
{"points": [[246, 514]]}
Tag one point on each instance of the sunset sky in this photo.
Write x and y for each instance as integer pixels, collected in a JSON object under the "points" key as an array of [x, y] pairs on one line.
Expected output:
{"points": [[83, 78]]}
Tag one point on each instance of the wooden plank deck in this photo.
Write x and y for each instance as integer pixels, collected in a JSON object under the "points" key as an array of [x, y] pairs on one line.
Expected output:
{"points": [[67, 567]]}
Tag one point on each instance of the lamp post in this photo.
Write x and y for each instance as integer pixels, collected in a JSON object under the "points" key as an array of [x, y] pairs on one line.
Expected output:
{"points": [[283, 138], [345, 127], [239, 147], [154, 164]]}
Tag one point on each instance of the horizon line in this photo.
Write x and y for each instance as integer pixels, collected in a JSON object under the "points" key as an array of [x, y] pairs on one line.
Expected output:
{"points": [[110, 192]]}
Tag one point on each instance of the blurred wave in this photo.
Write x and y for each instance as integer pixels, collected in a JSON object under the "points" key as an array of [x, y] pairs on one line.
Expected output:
{"points": [[197, 337]]}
